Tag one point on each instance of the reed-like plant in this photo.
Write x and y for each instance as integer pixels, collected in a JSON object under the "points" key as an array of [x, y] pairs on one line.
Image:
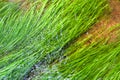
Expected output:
{"points": [[27, 36], [83, 61]]}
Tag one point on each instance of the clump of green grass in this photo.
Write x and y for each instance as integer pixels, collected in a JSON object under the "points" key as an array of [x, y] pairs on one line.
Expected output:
{"points": [[28, 36], [98, 60]]}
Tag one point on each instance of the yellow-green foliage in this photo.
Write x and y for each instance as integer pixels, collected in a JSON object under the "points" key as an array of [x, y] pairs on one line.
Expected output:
{"points": [[27, 37]]}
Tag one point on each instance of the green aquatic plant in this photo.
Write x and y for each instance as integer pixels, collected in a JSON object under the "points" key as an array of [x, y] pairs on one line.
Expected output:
{"points": [[97, 60], [27, 37]]}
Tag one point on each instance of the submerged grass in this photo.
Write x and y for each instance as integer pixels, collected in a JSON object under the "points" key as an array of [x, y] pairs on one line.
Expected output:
{"points": [[98, 60], [26, 37]]}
